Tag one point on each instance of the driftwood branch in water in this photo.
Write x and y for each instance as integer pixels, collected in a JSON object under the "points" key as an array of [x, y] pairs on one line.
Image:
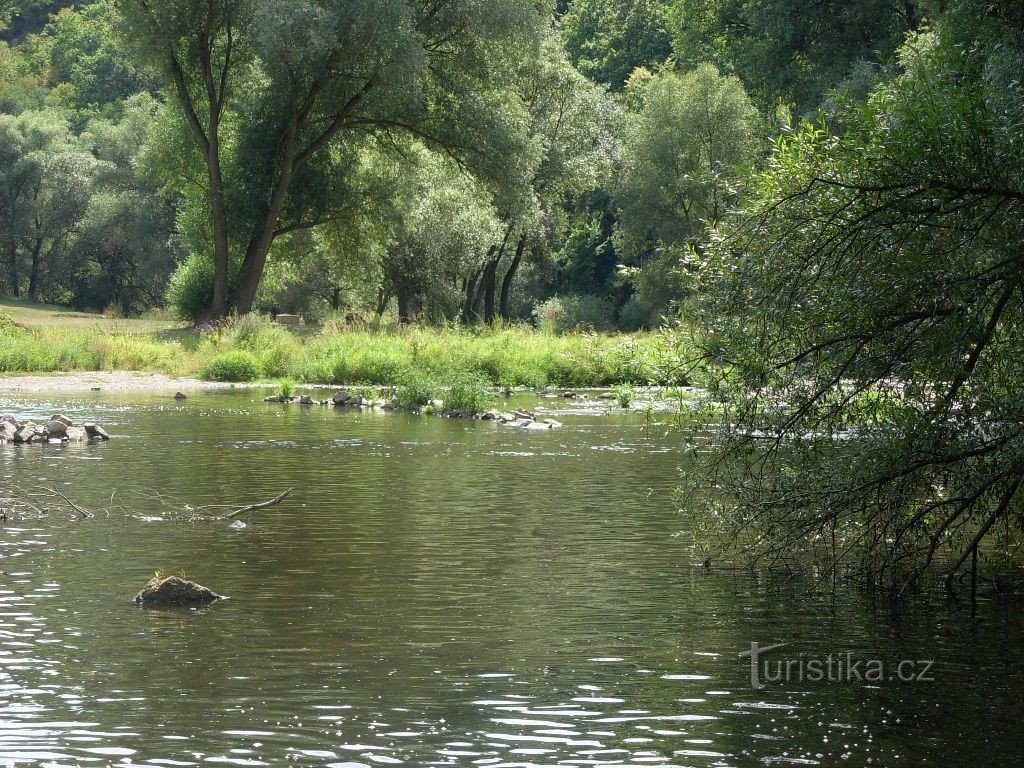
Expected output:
{"points": [[254, 507], [82, 511]]}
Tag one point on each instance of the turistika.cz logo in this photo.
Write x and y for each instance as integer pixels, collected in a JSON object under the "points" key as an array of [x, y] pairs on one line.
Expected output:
{"points": [[833, 668]]}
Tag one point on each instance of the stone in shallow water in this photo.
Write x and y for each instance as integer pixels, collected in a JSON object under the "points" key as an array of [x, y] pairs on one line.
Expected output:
{"points": [[96, 432], [174, 590]]}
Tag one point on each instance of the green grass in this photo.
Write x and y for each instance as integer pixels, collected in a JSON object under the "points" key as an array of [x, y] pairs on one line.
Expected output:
{"points": [[45, 340], [36, 316]]}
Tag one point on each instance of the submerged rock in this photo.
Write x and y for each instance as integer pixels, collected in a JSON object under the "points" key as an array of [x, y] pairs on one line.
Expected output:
{"points": [[96, 432], [174, 590]]}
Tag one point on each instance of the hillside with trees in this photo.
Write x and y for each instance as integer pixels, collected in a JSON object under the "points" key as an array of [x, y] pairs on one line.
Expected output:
{"points": [[458, 162]]}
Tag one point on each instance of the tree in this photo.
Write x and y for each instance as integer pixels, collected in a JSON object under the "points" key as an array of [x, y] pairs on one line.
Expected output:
{"points": [[81, 52], [125, 244], [688, 142], [441, 222], [46, 182], [608, 39], [866, 308], [569, 123], [786, 51], [273, 92]]}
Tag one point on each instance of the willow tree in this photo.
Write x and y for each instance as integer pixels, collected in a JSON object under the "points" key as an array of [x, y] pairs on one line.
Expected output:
{"points": [[275, 92], [867, 308]]}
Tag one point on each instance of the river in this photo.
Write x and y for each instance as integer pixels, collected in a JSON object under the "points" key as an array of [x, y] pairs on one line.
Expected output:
{"points": [[442, 592]]}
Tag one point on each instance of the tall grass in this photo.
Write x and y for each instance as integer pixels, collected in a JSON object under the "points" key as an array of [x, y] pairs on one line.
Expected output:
{"points": [[254, 348], [51, 350]]}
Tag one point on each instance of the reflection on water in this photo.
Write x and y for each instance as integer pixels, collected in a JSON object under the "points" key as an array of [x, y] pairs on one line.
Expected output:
{"points": [[437, 593]]}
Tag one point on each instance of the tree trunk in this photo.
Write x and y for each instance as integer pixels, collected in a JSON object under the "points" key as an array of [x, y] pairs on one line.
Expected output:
{"points": [[490, 282], [33, 277], [911, 11], [218, 307], [468, 314], [259, 246], [510, 274], [14, 276], [490, 289], [405, 300], [383, 297]]}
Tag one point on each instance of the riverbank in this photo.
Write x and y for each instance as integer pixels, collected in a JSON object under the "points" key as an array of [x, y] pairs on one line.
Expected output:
{"points": [[104, 381], [252, 349]]}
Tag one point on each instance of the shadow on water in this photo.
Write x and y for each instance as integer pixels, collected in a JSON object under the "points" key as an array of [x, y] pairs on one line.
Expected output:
{"points": [[441, 592]]}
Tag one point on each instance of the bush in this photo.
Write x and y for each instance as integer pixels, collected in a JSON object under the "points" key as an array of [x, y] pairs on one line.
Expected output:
{"points": [[191, 288], [468, 393], [8, 326], [416, 389], [236, 365], [574, 312], [274, 346]]}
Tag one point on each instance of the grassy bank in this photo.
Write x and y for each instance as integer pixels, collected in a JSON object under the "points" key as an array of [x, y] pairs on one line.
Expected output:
{"points": [[253, 349]]}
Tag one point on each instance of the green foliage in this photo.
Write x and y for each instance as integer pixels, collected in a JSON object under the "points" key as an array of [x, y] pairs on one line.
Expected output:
{"points": [[689, 142], [235, 365], [866, 310], [608, 39], [624, 394], [416, 389], [785, 51], [191, 287], [563, 314], [7, 325], [286, 388], [282, 146], [468, 393], [52, 350]]}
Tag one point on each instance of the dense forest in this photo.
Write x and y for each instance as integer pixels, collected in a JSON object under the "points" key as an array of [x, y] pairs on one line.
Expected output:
{"points": [[457, 161]]}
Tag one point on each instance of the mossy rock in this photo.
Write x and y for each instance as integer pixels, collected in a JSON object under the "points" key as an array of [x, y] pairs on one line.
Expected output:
{"points": [[174, 591]]}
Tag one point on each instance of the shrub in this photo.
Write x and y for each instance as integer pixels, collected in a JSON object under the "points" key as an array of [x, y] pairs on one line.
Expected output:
{"points": [[416, 389], [191, 288], [574, 312], [274, 346], [623, 394], [8, 326], [468, 393], [236, 365]]}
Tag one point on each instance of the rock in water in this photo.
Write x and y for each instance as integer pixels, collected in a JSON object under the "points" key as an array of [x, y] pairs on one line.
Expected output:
{"points": [[173, 590], [96, 432]]}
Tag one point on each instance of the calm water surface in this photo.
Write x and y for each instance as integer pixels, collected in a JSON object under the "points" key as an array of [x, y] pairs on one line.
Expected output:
{"points": [[439, 592]]}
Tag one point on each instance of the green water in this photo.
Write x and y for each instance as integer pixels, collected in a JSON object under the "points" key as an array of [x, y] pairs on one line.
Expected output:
{"points": [[439, 592]]}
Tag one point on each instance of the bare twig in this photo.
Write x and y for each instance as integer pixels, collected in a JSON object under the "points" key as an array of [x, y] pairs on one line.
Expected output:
{"points": [[82, 511], [254, 507]]}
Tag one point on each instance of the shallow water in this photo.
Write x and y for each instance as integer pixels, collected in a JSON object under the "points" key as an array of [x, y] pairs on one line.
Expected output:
{"points": [[439, 592]]}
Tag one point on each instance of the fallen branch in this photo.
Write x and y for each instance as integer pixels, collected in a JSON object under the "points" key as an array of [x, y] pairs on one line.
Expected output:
{"points": [[82, 511], [254, 507]]}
